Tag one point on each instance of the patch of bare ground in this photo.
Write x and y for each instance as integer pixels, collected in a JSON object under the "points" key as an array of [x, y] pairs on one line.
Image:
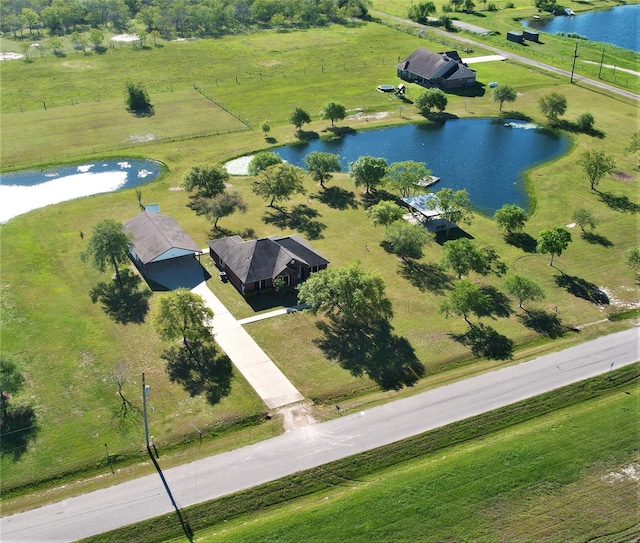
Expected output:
{"points": [[622, 176], [619, 298], [299, 415]]}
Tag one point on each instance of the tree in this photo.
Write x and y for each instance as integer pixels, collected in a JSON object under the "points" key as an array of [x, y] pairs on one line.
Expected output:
{"points": [[137, 98], [299, 117], [11, 382], [634, 144], [265, 126], [510, 217], [466, 298], [321, 165], [596, 164], [524, 289], [406, 240], [333, 111], [96, 37], [454, 207], [404, 177], [206, 180], [182, 314], [632, 258], [128, 412], [421, 11], [553, 105], [553, 241], [279, 182], [108, 244], [221, 205], [384, 213], [585, 122], [584, 217], [79, 41], [368, 171], [503, 94], [30, 19], [352, 295], [57, 46], [469, 5], [261, 161], [431, 99], [464, 256]]}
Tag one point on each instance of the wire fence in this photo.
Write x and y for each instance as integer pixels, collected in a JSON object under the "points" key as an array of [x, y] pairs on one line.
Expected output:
{"points": [[243, 120]]}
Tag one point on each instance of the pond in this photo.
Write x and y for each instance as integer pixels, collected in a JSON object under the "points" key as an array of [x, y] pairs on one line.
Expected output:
{"points": [[481, 155], [617, 26], [32, 189]]}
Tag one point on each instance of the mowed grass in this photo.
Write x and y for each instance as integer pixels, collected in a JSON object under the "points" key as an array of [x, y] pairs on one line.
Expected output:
{"points": [[558, 478], [67, 346]]}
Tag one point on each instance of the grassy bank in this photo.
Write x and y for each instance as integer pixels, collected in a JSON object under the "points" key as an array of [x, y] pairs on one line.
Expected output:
{"points": [[473, 480]]}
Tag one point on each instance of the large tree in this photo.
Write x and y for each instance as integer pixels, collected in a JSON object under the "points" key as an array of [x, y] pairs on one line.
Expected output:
{"points": [[333, 111], [183, 314], [632, 258], [351, 295], [321, 165], [279, 182], [465, 299], [108, 245], [384, 213], [406, 240], [137, 98], [524, 289], [453, 206], [11, 382], [262, 160], [504, 94], [368, 171], [206, 180], [553, 105], [464, 256], [553, 241], [510, 217], [596, 164], [298, 117], [431, 99], [404, 177], [221, 205]]}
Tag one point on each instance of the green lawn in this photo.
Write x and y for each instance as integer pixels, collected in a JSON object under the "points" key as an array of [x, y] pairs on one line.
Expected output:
{"points": [[67, 346]]}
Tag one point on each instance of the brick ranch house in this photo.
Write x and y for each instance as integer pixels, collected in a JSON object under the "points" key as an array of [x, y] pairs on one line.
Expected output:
{"points": [[443, 70], [253, 265]]}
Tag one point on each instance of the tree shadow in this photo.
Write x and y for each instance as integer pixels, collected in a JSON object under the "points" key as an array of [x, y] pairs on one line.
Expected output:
{"points": [[426, 277], [304, 135], [141, 113], [543, 322], [200, 369], [570, 126], [127, 305], [581, 288], [619, 203], [270, 301], [340, 131], [337, 198], [500, 305], [515, 115], [454, 233], [596, 239], [486, 342], [270, 139], [386, 358], [522, 241], [301, 218], [18, 428]]}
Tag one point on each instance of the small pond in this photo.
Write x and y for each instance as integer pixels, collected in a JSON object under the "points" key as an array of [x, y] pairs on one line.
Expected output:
{"points": [[481, 155], [617, 26], [32, 189]]}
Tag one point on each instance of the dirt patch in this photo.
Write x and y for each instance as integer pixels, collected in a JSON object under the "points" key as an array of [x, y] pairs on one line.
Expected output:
{"points": [[175, 189], [622, 176], [270, 63], [297, 416], [615, 301], [10, 56], [141, 138], [627, 473], [368, 116]]}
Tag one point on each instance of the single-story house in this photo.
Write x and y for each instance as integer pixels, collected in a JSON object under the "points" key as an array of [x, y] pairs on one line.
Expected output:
{"points": [[444, 70], [254, 265], [157, 238]]}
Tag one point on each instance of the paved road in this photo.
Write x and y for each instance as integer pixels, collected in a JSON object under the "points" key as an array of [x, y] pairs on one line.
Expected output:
{"points": [[318, 444], [510, 55]]}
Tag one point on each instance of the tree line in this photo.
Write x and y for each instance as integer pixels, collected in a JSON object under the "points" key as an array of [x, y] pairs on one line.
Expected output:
{"points": [[171, 18]]}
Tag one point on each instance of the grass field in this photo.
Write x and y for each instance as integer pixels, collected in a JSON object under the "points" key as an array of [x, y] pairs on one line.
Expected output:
{"points": [[67, 346]]}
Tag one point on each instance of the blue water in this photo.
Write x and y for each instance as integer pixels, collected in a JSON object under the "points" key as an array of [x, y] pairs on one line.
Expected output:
{"points": [[26, 190], [480, 155], [618, 26]]}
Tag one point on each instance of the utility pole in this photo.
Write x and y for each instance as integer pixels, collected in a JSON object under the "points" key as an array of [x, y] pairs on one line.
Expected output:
{"points": [[575, 56], [145, 391], [601, 61]]}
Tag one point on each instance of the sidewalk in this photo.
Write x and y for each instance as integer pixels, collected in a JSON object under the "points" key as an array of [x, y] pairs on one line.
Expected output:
{"points": [[256, 367]]}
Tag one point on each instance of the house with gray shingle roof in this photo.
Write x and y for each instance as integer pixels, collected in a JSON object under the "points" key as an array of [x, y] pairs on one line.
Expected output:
{"points": [[444, 70], [157, 238], [254, 265]]}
